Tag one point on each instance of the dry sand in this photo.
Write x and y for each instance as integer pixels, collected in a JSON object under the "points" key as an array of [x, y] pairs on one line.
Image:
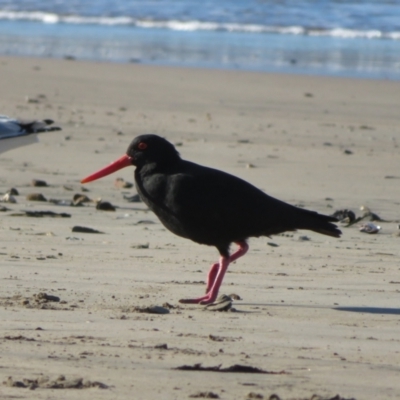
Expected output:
{"points": [[324, 312]]}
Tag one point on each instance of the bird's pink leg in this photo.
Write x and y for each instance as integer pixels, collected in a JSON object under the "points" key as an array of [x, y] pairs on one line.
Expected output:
{"points": [[216, 276], [241, 251], [212, 294], [243, 248], [212, 274]]}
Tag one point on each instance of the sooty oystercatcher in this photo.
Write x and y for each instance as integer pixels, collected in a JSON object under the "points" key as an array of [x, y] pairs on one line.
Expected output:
{"points": [[18, 132], [209, 206]]}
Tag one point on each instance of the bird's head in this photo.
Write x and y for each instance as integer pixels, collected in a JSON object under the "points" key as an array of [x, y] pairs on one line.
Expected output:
{"points": [[144, 149]]}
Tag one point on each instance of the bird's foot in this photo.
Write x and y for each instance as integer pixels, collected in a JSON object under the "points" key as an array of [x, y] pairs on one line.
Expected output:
{"points": [[207, 299]]}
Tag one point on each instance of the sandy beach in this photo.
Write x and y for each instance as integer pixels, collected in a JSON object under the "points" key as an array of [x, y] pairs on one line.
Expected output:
{"points": [[320, 315]]}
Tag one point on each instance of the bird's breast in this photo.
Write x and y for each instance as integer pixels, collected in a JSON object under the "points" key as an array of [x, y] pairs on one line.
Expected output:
{"points": [[159, 193]]}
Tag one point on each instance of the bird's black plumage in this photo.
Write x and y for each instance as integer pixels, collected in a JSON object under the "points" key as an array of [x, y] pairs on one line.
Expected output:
{"points": [[209, 206]]}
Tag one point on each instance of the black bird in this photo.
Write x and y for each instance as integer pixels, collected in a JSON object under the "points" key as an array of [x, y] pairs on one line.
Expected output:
{"points": [[18, 132], [209, 206]]}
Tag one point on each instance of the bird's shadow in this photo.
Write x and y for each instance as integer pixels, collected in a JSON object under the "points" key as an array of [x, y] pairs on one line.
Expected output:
{"points": [[370, 310], [366, 310]]}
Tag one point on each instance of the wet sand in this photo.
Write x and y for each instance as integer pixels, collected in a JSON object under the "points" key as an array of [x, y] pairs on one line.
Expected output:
{"points": [[321, 314]]}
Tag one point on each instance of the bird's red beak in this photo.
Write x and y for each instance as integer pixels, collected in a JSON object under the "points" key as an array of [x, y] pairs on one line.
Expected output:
{"points": [[124, 161]]}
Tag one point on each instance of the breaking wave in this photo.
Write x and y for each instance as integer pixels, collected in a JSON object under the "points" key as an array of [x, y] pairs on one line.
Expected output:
{"points": [[193, 25]]}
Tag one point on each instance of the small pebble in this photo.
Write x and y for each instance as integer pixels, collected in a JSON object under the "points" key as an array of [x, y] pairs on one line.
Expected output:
{"points": [[204, 395], [84, 229], [8, 198], [36, 197], [163, 346], [105, 206], [369, 227], [44, 297], [140, 246], [38, 183], [133, 199], [13, 192], [79, 199], [304, 238], [120, 183]]}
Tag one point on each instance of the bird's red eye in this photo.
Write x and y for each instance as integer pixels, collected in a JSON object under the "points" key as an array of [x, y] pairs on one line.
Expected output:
{"points": [[142, 146]]}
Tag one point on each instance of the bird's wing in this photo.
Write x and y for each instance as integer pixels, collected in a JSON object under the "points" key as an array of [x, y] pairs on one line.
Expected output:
{"points": [[217, 202]]}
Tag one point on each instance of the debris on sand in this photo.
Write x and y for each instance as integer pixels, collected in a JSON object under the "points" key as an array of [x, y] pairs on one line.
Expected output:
{"points": [[370, 227], [253, 395], [223, 303], [313, 397], [368, 214], [8, 198], [79, 199], [43, 297], [39, 300], [349, 218], [345, 216], [150, 309], [105, 206], [204, 395], [35, 197], [234, 368], [40, 214], [60, 202], [13, 192], [38, 183], [84, 229], [133, 199], [121, 183], [45, 382], [140, 246]]}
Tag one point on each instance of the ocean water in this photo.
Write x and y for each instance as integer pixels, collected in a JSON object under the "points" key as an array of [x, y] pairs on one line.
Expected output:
{"points": [[358, 38]]}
